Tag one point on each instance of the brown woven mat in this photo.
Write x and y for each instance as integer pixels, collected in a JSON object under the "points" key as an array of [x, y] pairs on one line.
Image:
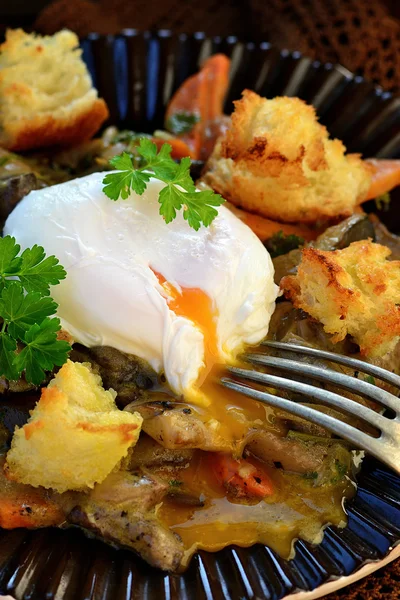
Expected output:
{"points": [[382, 585], [360, 34]]}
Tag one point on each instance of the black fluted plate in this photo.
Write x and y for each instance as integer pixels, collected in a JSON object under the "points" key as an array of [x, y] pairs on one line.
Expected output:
{"points": [[137, 73], [65, 565]]}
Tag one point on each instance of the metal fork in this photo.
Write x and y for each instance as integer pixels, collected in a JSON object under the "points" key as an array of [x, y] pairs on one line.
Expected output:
{"points": [[386, 447]]}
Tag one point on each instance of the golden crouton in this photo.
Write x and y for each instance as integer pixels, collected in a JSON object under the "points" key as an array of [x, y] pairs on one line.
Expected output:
{"points": [[75, 436], [46, 93], [278, 161], [353, 291]]}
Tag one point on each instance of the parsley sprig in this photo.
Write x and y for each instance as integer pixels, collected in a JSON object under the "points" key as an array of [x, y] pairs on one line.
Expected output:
{"points": [[179, 191], [182, 122], [28, 332]]}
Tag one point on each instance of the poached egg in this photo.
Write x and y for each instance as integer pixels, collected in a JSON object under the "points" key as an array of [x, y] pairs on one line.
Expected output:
{"points": [[178, 298]]}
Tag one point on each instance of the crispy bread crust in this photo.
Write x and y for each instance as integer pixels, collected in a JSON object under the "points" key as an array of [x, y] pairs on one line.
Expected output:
{"points": [[276, 160], [75, 436], [352, 291], [46, 131]]}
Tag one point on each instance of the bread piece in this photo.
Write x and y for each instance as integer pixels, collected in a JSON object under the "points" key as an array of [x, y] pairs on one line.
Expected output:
{"points": [[46, 93], [353, 291], [278, 161], [76, 435]]}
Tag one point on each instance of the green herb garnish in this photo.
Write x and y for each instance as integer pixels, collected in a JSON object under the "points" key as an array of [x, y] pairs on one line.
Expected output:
{"points": [[28, 333], [179, 191], [279, 243], [341, 470], [382, 202], [175, 483], [311, 475], [182, 122], [369, 379], [128, 136]]}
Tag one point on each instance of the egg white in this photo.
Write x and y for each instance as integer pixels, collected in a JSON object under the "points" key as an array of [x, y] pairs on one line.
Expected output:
{"points": [[111, 295]]}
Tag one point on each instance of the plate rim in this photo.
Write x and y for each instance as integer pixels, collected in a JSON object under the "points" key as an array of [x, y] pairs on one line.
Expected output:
{"points": [[335, 584]]}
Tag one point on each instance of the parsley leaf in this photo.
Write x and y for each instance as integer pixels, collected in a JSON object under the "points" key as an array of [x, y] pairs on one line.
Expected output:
{"points": [[120, 184], [21, 310], [10, 263], [28, 330], [199, 208], [42, 350], [35, 272], [179, 191], [279, 243], [7, 357], [181, 122]]}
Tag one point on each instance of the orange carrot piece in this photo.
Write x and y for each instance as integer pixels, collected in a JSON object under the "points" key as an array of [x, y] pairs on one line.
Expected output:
{"points": [[179, 148], [265, 228], [30, 513], [385, 176], [203, 95], [241, 477]]}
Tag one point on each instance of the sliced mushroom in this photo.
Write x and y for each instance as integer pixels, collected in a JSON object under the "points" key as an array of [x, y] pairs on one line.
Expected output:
{"points": [[148, 453], [121, 510], [131, 377], [179, 426], [13, 189]]}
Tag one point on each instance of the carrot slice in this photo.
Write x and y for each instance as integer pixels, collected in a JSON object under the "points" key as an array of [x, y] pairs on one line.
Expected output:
{"points": [[202, 95], [241, 477], [265, 228], [32, 513], [385, 176], [179, 148]]}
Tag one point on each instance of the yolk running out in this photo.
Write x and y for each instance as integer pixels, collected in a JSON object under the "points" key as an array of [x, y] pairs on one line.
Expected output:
{"points": [[195, 305]]}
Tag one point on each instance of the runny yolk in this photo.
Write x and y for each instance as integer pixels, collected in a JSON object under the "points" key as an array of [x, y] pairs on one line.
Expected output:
{"points": [[195, 305], [226, 406]]}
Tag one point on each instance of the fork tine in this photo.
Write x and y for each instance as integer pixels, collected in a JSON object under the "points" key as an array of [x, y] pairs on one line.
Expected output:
{"points": [[354, 363], [356, 386], [347, 432], [330, 398]]}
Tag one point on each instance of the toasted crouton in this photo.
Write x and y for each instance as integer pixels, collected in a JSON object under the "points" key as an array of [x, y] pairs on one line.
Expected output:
{"points": [[353, 291], [46, 93], [277, 160], [76, 435]]}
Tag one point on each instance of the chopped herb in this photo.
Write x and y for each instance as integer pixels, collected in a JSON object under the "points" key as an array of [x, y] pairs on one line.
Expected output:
{"points": [[175, 483], [179, 191], [128, 136], [28, 335], [369, 379], [279, 243], [311, 475], [182, 122], [341, 470], [382, 202]]}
